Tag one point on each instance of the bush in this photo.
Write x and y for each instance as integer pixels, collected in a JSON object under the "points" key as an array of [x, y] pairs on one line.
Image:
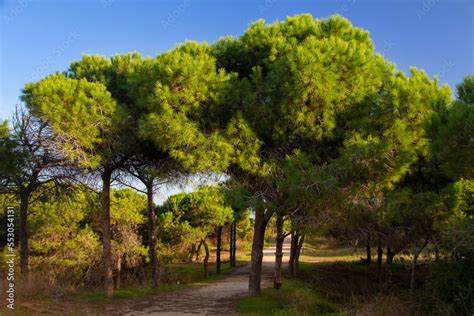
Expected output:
{"points": [[452, 283]]}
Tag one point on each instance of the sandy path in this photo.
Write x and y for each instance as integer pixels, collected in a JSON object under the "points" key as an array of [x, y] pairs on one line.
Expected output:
{"points": [[217, 298]]}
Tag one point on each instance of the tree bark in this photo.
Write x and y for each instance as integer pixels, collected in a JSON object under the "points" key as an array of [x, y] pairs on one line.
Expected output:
{"points": [[218, 250], [257, 253], [414, 262], [231, 244], [234, 247], [379, 262], [198, 251], [368, 249], [293, 247], [278, 252], [106, 244], [206, 260], [151, 235], [24, 201], [298, 253]]}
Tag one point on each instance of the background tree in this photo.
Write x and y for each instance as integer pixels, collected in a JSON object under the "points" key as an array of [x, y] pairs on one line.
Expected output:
{"points": [[153, 170], [451, 129], [237, 198], [204, 210], [86, 109], [65, 245], [29, 160]]}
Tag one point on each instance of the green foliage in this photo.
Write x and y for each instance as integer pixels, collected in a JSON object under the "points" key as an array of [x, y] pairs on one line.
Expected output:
{"points": [[175, 237], [180, 107], [8, 200], [244, 227], [453, 145], [83, 114], [458, 231], [64, 231], [204, 208], [127, 215], [62, 243], [452, 283], [8, 156], [186, 219], [446, 217], [4, 129], [416, 214], [463, 201], [466, 90], [245, 146], [294, 73], [303, 176], [391, 140]]}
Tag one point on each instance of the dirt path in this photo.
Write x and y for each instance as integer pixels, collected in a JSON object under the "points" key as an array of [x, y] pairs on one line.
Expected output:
{"points": [[218, 298]]}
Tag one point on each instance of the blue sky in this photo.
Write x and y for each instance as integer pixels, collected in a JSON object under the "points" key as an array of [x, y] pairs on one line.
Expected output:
{"points": [[41, 37]]}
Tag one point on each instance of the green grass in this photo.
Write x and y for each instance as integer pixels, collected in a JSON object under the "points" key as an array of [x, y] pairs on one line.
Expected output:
{"points": [[294, 298]]}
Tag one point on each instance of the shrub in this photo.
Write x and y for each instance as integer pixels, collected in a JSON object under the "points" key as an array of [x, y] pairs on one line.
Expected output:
{"points": [[452, 283]]}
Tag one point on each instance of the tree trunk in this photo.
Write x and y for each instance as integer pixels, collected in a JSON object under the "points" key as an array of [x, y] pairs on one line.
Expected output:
{"points": [[293, 247], [151, 235], [218, 250], [368, 249], [298, 253], [389, 272], [278, 252], [234, 247], [257, 253], [414, 262], [206, 260], [106, 245], [379, 262], [231, 244], [198, 251], [24, 201]]}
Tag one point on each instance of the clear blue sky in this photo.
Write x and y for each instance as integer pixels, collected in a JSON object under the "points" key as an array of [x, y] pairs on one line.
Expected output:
{"points": [[41, 37]]}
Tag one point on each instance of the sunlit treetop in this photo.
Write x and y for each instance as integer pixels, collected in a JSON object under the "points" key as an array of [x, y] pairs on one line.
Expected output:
{"points": [[205, 208], [452, 130]]}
